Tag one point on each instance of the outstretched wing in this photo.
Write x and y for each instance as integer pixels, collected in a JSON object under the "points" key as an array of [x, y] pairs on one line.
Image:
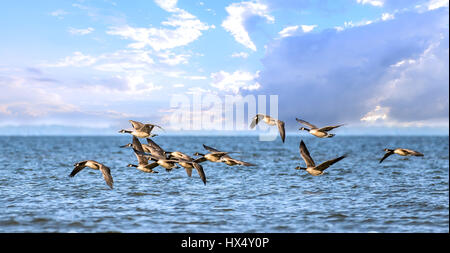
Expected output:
{"points": [[328, 128], [305, 155], [77, 169], [244, 163], [213, 150], [306, 123], [136, 125], [107, 175], [323, 166], [200, 171], [386, 156], [155, 149], [200, 160], [255, 120], [412, 152], [137, 146], [281, 129], [149, 127]]}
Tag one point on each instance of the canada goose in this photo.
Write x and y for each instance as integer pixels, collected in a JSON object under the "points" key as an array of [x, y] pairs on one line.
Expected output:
{"points": [[214, 155], [143, 164], [231, 161], [400, 151], [270, 121], [311, 167], [96, 166], [159, 155], [140, 130], [227, 159], [318, 132]]}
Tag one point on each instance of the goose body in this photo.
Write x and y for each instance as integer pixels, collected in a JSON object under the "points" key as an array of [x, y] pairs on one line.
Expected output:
{"points": [[400, 151], [311, 167], [158, 155], [271, 122], [225, 158], [96, 166], [143, 164], [318, 132], [140, 130], [214, 155], [232, 162]]}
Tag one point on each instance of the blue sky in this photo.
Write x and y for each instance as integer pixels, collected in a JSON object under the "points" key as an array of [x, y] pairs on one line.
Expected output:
{"points": [[373, 64]]}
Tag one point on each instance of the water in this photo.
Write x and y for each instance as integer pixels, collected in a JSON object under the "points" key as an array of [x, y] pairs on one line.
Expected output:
{"points": [[356, 194]]}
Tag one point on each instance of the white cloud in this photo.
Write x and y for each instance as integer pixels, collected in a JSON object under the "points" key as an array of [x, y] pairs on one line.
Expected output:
{"points": [[75, 31], [235, 81], [172, 59], [77, 60], [188, 28], [377, 3], [376, 114], [435, 4], [58, 13], [308, 28], [240, 55], [387, 16], [288, 31], [167, 5], [238, 13]]}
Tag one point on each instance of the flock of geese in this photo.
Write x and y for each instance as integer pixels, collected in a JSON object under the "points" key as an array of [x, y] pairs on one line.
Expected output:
{"points": [[151, 155]]}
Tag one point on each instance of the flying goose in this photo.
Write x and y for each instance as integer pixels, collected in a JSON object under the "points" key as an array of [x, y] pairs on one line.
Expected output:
{"points": [[311, 167], [400, 151], [141, 130], [318, 132], [143, 164], [159, 155], [96, 166], [227, 159], [270, 121], [214, 155]]}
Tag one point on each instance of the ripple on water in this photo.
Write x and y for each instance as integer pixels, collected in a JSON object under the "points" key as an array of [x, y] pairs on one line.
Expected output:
{"points": [[395, 196]]}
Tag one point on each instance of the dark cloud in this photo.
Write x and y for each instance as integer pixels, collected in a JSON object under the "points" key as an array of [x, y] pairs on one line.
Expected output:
{"points": [[334, 77]]}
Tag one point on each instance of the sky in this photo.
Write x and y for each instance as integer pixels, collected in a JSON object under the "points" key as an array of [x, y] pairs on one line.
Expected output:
{"points": [[86, 66]]}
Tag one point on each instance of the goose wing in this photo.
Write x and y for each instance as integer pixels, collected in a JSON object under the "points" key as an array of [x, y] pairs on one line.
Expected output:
{"points": [[328, 128], [200, 171], [243, 163], [323, 166], [305, 155], [188, 171], [136, 125], [78, 167], [412, 152], [306, 123], [107, 175], [151, 165], [138, 147], [149, 127], [386, 155], [155, 149], [281, 129], [256, 119], [212, 150], [200, 160]]}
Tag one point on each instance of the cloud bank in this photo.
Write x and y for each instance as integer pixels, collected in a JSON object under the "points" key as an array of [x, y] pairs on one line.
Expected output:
{"points": [[392, 72]]}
